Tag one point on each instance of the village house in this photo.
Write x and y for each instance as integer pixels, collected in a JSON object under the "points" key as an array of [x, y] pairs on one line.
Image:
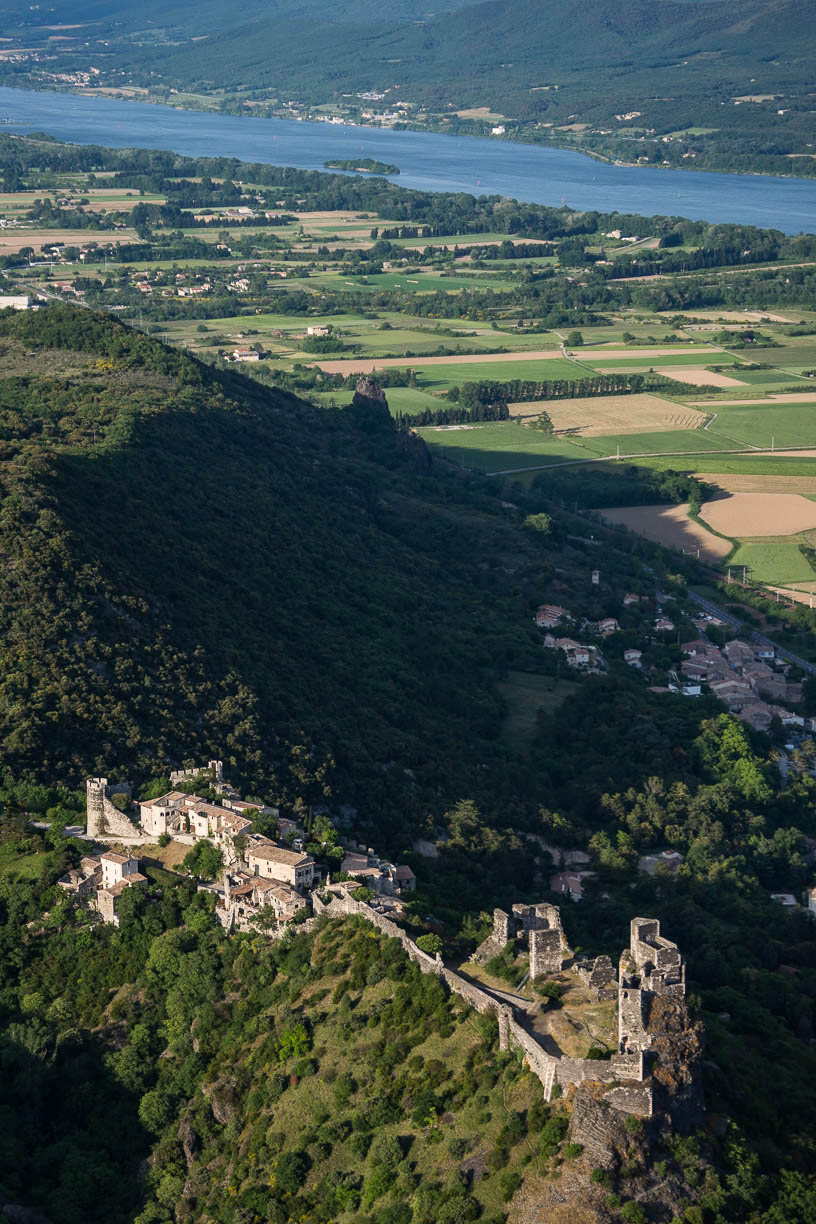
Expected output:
{"points": [[698, 647], [810, 900], [549, 615], [669, 860], [84, 880], [585, 658], [246, 898], [630, 599], [219, 824], [570, 883], [756, 715], [606, 626], [119, 871], [738, 653], [190, 818], [377, 874], [289, 866], [633, 657], [735, 693], [246, 354], [664, 625]]}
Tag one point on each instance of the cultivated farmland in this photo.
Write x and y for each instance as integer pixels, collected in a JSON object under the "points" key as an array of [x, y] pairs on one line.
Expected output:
{"points": [[670, 525], [614, 414], [760, 514]]}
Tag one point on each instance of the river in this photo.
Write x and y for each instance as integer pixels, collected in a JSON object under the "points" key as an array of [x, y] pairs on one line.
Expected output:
{"points": [[427, 160]]}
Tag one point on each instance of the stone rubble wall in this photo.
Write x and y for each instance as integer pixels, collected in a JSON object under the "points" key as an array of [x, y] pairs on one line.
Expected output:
{"points": [[512, 1035]]}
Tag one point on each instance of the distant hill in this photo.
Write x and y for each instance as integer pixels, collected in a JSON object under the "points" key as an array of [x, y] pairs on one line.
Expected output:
{"points": [[496, 52]]}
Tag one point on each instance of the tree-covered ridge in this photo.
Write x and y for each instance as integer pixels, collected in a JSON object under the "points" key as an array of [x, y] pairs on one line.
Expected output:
{"points": [[199, 566]]}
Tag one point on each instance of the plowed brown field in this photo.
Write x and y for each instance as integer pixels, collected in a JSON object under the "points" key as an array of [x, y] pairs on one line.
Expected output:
{"points": [[670, 525], [760, 514], [613, 414]]}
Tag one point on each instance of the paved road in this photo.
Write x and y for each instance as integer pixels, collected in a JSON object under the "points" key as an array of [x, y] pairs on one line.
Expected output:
{"points": [[760, 638]]}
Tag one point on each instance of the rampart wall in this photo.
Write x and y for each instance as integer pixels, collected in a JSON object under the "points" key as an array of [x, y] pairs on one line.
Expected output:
{"points": [[550, 1070]]}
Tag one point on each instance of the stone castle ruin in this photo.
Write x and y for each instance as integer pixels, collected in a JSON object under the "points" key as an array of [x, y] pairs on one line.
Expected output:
{"points": [[657, 1066], [214, 768], [104, 820], [539, 926]]}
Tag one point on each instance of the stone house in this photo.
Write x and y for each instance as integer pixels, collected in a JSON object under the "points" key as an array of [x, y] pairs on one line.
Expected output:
{"points": [[757, 715], [84, 880], [180, 815], [273, 862], [570, 883], [119, 871], [377, 874], [165, 814], [550, 615], [246, 897], [738, 653], [219, 824]]}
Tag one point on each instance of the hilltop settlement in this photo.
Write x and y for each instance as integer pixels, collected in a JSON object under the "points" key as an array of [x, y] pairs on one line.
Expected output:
{"points": [[266, 882]]}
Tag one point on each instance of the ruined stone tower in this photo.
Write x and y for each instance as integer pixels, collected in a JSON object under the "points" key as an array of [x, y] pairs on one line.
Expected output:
{"points": [[104, 820]]}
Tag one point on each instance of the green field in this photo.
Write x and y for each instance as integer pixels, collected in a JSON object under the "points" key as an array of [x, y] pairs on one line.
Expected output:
{"points": [[443, 376], [502, 446], [647, 361], [400, 399], [773, 559], [762, 377], [785, 424]]}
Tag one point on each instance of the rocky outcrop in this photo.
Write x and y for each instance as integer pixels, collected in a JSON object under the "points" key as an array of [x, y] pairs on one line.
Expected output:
{"points": [[369, 407], [189, 1140], [677, 1050], [413, 450], [223, 1098]]}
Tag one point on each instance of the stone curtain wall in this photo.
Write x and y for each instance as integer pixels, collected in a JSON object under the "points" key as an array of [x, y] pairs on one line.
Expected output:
{"points": [[512, 1035]]}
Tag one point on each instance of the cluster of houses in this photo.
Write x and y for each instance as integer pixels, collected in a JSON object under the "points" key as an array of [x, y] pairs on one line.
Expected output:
{"points": [[585, 656], [748, 678], [100, 880], [265, 882]]}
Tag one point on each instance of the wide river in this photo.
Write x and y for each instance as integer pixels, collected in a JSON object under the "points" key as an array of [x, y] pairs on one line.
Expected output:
{"points": [[426, 160]]}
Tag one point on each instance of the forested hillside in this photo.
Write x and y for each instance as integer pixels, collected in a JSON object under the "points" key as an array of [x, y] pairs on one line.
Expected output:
{"points": [[196, 564]]}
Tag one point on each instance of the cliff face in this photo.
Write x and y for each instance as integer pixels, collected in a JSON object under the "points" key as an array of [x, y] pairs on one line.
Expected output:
{"points": [[677, 1043]]}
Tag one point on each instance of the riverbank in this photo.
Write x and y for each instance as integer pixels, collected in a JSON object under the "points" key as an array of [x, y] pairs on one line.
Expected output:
{"points": [[798, 167], [429, 161]]}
